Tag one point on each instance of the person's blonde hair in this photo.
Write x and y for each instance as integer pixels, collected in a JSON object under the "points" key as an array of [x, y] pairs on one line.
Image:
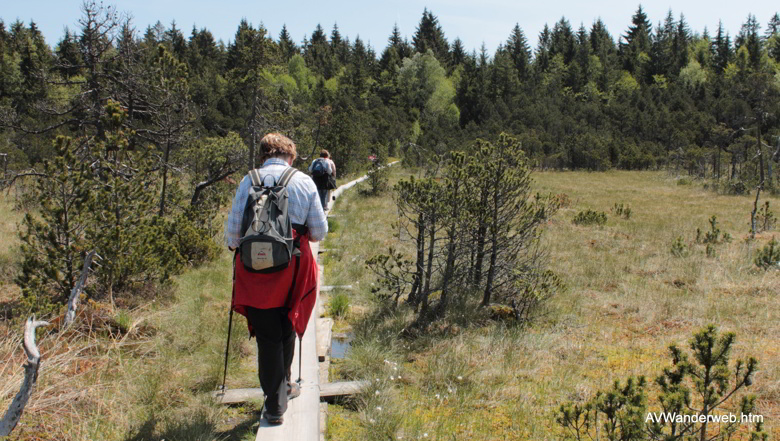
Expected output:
{"points": [[276, 144]]}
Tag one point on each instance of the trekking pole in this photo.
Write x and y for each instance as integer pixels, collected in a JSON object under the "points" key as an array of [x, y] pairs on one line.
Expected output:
{"points": [[227, 346], [230, 323], [300, 359]]}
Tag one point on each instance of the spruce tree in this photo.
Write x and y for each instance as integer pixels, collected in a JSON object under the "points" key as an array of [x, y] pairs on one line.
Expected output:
{"points": [[637, 42], [457, 53], [749, 38], [429, 35], [287, 46], [722, 50], [517, 46]]}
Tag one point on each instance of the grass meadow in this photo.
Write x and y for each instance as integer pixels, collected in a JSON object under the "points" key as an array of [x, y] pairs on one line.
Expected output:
{"points": [[628, 299], [145, 373]]}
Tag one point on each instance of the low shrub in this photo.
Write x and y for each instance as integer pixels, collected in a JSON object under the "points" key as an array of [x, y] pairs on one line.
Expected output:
{"points": [[590, 217], [769, 256], [679, 248], [622, 210]]}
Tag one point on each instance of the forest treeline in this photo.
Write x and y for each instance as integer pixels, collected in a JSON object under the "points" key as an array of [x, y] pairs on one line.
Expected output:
{"points": [[655, 95], [156, 122]]}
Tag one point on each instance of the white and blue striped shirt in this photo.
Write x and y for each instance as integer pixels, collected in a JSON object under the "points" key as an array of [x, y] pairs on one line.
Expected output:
{"points": [[304, 204]]}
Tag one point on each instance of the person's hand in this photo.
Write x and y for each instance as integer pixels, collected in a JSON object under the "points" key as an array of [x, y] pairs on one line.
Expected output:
{"points": [[232, 248]]}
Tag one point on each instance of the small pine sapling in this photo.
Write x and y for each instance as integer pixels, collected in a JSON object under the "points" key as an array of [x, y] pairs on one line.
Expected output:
{"points": [[621, 210], [702, 385], [679, 248], [769, 256], [766, 218], [590, 217], [697, 389]]}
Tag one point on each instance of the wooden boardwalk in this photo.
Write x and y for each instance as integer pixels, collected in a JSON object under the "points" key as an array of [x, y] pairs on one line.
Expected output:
{"points": [[302, 419]]}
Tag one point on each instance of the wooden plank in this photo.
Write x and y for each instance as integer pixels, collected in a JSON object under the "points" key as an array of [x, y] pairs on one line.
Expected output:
{"points": [[233, 396], [323, 420], [341, 388], [328, 288], [324, 332]]}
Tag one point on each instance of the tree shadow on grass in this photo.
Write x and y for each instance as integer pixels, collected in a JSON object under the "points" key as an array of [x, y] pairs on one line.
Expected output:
{"points": [[197, 429]]}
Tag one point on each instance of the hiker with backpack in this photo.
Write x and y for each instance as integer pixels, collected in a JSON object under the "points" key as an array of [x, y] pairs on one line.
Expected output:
{"points": [[274, 216], [323, 171]]}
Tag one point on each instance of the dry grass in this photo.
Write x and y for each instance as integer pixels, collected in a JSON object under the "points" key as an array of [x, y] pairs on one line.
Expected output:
{"points": [[145, 373], [141, 374], [628, 299], [9, 243]]}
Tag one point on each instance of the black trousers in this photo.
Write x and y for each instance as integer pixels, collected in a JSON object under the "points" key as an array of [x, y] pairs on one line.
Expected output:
{"points": [[275, 348]]}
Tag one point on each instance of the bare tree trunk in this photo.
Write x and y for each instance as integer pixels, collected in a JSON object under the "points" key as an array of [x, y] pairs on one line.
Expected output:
{"points": [[733, 166], [429, 271], [718, 162], [166, 156], [14, 413], [451, 244], [753, 213], [418, 276], [493, 245], [73, 300], [760, 156]]}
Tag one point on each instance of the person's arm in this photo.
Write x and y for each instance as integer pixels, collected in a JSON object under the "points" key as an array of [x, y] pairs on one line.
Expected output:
{"points": [[316, 220], [233, 224], [333, 167]]}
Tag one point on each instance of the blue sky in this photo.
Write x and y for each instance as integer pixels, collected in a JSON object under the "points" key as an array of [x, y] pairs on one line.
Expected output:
{"points": [[475, 22]]}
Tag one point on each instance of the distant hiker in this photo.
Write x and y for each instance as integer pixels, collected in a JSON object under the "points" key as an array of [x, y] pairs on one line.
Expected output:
{"points": [[323, 171], [275, 301]]}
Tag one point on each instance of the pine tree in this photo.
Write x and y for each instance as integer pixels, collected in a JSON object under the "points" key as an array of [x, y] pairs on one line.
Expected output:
{"points": [[517, 46], [430, 36], [542, 59], [662, 52], [562, 40], [287, 46], [339, 47], [167, 97], [53, 242], [123, 229], [68, 55], [748, 37], [722, 52], [395, 52], [637, 44], [175, 42], [680, 43], [457, 53], [316, 52], [772, 27]]}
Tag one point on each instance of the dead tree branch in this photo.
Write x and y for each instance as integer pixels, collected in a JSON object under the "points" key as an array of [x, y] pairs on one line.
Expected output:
{"points": [[75, 294], [14, 412]]}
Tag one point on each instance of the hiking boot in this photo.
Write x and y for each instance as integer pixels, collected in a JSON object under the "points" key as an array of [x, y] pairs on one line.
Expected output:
{"points": [[273, 420], [293, 390]]}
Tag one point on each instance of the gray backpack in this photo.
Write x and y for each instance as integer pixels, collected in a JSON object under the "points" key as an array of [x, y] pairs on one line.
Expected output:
{"points": [[267, 245]]}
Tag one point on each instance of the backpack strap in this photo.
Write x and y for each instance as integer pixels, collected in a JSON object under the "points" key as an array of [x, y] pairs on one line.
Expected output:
{"points": [[257, 180], [286, 176], [254, 175]]}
